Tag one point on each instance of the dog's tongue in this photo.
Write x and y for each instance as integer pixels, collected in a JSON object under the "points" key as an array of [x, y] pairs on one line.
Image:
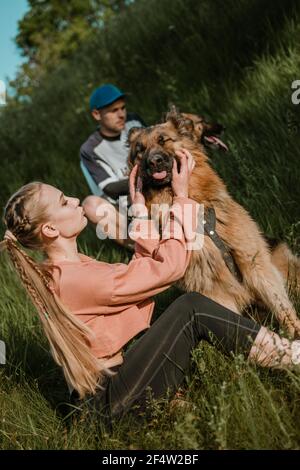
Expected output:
{"points": [[212, 139], [159, 175]]}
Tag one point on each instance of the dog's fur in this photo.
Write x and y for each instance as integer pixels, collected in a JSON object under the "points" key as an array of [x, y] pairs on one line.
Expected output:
{"points": [[154, 149], [288, 264]]}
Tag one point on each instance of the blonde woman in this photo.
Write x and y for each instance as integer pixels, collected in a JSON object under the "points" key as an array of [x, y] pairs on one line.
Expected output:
{"points": [[90, 309]]}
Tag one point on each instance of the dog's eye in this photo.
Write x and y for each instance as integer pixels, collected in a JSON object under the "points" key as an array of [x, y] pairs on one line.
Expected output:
{"points": [[162, 140]]}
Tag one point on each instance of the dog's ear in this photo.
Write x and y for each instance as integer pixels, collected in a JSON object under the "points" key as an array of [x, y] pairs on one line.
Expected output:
{"points": [[184, 126], [198, 123], [173, 115], [131, 158], [182, 123], [132, 134]]}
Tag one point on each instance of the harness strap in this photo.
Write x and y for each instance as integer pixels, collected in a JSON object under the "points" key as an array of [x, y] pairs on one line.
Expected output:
{"points": [[210, 231]]}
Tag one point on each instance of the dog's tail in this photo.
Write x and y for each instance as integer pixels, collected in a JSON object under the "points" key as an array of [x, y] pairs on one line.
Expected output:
{"points": [[287, 264]]}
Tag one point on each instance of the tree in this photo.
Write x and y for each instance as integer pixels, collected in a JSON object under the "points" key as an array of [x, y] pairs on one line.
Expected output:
{"points": [[52, 30]]}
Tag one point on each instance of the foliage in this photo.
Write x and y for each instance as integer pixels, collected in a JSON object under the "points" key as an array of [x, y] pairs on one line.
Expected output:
{"points": [[51, 31], [233, 62]]}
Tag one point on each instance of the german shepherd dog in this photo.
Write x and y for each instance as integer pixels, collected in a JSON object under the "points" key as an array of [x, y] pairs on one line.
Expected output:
{"points": [[234, 267]]}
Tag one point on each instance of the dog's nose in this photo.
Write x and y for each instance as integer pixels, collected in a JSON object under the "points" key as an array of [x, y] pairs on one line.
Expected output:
{"points": [[155, 160]]}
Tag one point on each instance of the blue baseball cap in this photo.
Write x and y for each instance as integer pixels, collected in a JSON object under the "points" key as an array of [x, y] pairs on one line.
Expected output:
{"points": [[104, 96]]}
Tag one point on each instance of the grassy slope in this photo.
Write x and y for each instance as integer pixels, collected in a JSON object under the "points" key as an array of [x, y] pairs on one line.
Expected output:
{"points": [[234, 64]]}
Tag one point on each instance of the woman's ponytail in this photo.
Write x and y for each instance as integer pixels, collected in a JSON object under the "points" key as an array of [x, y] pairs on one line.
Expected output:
{"points": [[68, 337]]}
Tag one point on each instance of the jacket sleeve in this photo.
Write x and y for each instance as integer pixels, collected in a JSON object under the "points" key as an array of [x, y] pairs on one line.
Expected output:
{"points": [[96, 171], [164, 262], [145, 246]]}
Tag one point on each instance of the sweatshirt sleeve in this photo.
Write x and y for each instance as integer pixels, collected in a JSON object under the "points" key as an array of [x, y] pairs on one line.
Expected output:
{"points": [[145, 246], [163, 263]]}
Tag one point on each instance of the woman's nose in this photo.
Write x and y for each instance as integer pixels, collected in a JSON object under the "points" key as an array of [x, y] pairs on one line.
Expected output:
{"points": [[75, 201]]}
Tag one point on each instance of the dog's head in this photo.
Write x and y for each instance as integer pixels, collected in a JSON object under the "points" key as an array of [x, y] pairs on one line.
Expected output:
{"points": [[206, 133], [153, 148]]}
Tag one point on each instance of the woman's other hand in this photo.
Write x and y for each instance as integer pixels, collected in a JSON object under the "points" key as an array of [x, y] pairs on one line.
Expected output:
{"points": [[180, 180], [137, 199]]}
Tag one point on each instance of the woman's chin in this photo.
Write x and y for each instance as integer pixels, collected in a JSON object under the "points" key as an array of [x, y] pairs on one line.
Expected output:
{"points": [[84, 222]]}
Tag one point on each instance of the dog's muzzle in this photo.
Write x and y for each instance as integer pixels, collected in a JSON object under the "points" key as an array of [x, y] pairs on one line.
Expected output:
{"points": [[158, 168]]}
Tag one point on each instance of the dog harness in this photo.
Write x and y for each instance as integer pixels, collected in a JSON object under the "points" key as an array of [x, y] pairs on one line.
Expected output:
{"points": [[210, 231]]}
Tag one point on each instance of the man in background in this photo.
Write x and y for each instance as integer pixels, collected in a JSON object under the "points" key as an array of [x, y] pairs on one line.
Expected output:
{"points": [[103, 159]]}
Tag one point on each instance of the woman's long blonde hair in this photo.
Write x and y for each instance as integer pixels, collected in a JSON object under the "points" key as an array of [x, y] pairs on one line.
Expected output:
{"points": [[68, 337]]}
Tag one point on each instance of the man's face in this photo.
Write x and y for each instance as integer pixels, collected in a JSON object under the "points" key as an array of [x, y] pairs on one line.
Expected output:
{"points": [[112, 118]]}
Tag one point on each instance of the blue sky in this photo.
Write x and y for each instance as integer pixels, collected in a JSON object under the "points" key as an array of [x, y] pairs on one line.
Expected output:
{"points": [[10, 12]]}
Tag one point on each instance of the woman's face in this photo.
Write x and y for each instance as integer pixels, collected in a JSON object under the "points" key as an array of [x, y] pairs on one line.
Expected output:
{"points": [[65, 215]]}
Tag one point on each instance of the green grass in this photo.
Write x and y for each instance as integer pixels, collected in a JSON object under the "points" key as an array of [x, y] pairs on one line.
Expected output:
{"points": [[231, 404], [234, 65]]}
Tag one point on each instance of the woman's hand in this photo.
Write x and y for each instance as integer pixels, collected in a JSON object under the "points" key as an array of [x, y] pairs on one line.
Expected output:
{"points": [[138, 207], [135, 187], [180, 181]]}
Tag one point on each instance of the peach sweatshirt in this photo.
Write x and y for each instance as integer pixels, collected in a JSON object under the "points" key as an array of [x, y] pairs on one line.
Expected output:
{"points": [[114, 299]]}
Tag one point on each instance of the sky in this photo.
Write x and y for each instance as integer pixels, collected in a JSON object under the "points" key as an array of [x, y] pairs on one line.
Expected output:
{"points": [[10, 12]]}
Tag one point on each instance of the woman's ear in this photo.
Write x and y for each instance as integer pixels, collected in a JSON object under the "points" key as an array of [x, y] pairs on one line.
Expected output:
{"points": [[49, 231]]}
